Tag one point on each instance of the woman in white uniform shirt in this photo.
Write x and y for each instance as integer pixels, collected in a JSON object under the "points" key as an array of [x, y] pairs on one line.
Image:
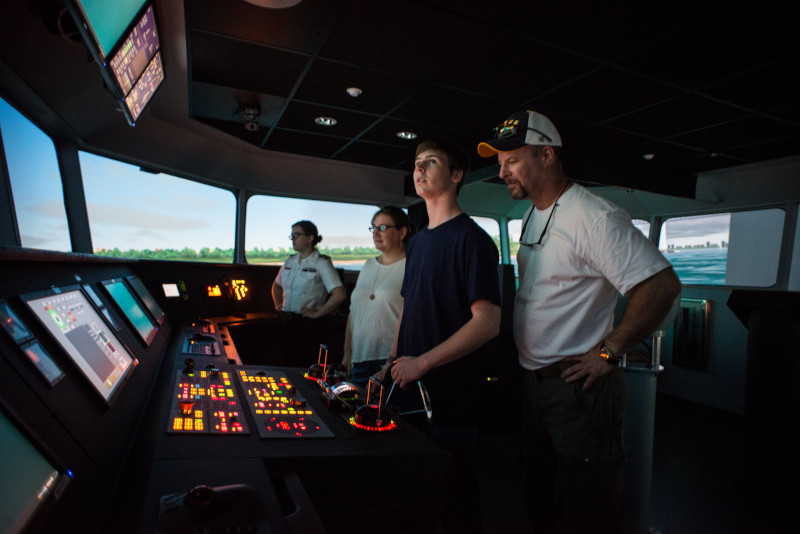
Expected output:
{"points": [[375, 303], [306, 290]]}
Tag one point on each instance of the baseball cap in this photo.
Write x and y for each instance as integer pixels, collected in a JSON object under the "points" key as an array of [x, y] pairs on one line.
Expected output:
{"points": [[520, 129]]}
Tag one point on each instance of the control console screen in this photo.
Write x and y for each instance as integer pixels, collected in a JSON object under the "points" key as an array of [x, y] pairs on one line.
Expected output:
{"points": [[147, 298], [130, 307], [84, 336], [28, 478]]}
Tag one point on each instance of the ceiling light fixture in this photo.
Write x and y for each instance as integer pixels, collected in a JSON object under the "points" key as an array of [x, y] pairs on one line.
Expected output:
{"points": [[353, 91], [407, 135], [325, 121], [274, 4], [648, 157]]}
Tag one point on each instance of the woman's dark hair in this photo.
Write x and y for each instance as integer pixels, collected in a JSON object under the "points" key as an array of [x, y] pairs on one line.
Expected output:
{"points": [[399, 218], [309, 228]]}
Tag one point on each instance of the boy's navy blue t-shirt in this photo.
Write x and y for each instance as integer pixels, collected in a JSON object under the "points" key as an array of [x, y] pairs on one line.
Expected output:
{"points": [[447, 269]]}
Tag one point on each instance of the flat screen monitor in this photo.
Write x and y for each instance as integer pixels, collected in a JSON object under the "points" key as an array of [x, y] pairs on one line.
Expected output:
{"points": [[39, 357], [147, 298], [103, 23], [74, 323], [12, 324], [137, 67], [123, 36], [131, 309], [28, 477], [142, 93]]}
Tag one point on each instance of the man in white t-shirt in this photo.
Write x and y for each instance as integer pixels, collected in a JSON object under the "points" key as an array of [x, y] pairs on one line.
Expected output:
{"points": [[577, 253]]}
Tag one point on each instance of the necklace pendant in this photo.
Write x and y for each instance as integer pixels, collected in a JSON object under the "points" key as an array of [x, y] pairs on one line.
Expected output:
{"points": [[372, 297]]}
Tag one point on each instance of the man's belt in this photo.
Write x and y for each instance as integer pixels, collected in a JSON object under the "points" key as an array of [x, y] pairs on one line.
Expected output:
{"points": [[553, 370]]}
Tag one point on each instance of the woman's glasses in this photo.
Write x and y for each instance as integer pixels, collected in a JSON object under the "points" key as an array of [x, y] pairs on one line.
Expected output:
{"points": [[381, 227]]}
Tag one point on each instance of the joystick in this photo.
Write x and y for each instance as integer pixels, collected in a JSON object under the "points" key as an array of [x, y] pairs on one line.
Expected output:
{"points": [[199, 496]]}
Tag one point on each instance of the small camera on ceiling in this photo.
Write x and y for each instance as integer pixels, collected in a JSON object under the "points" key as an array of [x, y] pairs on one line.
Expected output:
{"points": [[251, 126]]}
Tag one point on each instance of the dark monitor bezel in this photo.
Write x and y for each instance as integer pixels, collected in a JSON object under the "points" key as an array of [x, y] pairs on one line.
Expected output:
{"points": [[151, 335], [114, 393], [144, 298]]}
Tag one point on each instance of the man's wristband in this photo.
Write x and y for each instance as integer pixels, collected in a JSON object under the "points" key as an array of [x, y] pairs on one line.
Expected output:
{"points": [[609, 357]]}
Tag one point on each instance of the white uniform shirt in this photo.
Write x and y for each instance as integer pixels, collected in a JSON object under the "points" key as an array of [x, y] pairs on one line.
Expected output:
{"points": [[568, 288], [373, 321], [306, 282]]}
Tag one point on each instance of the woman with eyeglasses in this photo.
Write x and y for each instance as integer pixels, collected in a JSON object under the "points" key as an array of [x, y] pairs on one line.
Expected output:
{"points": [[375, 303], [306, 290]]}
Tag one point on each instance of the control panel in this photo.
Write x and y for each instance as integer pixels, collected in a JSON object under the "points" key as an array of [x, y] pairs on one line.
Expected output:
{"points": [[206, 402], [277, 408]]}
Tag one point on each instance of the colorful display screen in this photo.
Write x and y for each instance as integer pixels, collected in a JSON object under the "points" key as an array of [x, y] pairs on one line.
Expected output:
{"points": [[85, 338]]}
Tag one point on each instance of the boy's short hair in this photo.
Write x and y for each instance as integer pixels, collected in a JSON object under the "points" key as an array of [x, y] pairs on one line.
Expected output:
{"points": [[456, 158]]}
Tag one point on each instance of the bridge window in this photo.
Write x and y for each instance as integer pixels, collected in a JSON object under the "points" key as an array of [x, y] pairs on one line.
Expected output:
{"points": [[156, 216], [344, 229], [737, 249], [642, 225], [35, 182]]}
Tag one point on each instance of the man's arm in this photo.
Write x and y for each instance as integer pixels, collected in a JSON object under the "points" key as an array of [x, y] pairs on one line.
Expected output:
{"points": [[482, 327], [649, 303]]}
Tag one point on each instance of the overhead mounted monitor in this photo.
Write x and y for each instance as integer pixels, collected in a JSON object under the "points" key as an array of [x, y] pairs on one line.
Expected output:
{"points": [[131, 309], [74, 323], [137, 66], [103, 23], [132, 64], [147, 298], [28, 477]]}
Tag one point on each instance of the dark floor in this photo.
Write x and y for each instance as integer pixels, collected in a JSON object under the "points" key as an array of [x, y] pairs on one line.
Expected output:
{"points": [[697, 477]]}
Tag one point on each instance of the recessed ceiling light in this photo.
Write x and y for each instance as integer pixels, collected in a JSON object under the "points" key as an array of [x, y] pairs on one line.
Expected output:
{"points": [[406, 135], [648, 157], [325, 121]]}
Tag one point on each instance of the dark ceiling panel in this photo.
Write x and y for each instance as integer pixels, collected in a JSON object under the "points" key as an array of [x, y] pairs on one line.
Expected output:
{"points": [[272, 27], [386, 132], [606, 93], [382, 155], [304, 143], [677, 116], [761, 89], [327, 83], [409, 38], [697, 84], [513, 67], [448, 108], [300, 116], [240, 65]]}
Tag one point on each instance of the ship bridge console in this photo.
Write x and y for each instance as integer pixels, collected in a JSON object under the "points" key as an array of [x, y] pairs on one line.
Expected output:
{"points": [[146, 396]]}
